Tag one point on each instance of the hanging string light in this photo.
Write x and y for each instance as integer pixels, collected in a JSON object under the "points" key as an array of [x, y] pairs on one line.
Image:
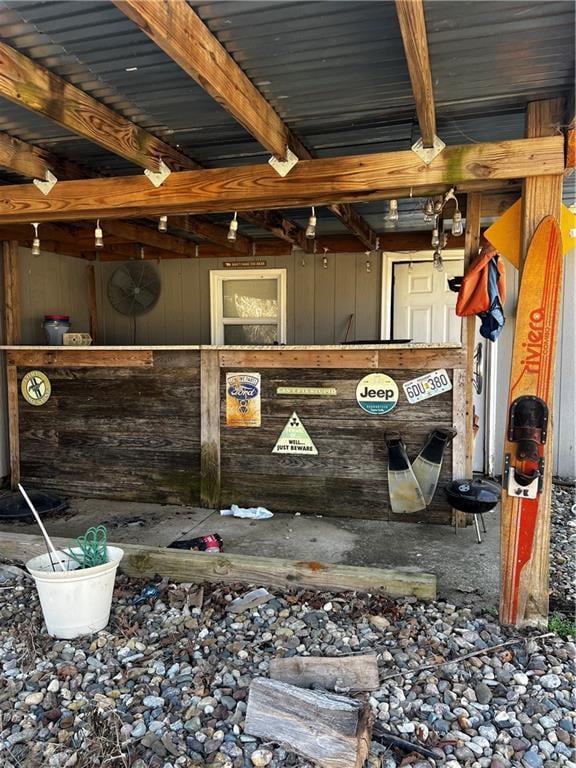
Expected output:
{"points": [[429, 210], [437, 259], [311, 228], [233, 228], [325, 258], [393, 210], [98, 236], [36, 241], [457, 226], [435, 242], [163, 224]]}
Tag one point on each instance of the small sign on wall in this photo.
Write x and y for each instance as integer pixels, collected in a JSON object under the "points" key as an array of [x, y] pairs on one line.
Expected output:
{"points": [[377, 393], [428, 385], [36, 388], [295, 439], [243, 399]]}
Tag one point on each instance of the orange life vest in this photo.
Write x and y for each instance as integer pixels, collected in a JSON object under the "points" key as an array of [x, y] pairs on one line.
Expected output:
{"points": [[474, 296]]}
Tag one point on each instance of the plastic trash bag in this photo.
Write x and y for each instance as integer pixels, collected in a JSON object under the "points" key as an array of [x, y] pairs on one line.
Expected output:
{"points": [[250, 513]]}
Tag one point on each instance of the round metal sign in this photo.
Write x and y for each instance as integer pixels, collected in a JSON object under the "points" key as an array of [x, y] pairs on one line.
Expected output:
{"points": [[36, 388], [377, 393]]}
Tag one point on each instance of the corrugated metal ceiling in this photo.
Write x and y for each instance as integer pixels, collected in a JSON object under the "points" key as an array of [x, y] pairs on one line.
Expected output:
{"points": [[334, 71]]}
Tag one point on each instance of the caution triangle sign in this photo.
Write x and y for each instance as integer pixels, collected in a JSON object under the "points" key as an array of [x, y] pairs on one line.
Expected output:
{"points": [[295, 439]]}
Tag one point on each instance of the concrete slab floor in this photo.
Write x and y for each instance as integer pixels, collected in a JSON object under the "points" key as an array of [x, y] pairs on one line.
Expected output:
{"points": [[467, 572]]}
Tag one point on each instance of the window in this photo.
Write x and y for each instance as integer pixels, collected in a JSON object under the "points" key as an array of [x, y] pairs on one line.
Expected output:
{"points": [[248, 306]]}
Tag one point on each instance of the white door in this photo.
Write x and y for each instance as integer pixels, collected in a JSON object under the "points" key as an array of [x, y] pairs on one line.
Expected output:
{"points": [[424, 304]]}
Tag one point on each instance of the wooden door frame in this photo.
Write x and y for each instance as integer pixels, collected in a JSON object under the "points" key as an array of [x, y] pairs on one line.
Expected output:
{"points": [[389, 259]]}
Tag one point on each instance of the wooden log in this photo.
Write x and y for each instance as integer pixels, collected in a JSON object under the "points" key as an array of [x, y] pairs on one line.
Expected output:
{"points": [[354, 673], [209, 428], [333, 731], [200, 567]]}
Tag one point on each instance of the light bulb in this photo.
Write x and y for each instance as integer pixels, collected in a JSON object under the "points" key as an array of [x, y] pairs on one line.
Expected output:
{"points": [[457, 227], [36, 241], [368, 266], [438, 263], [311, 228], [393, 210], [438, 205], [98, 236], [435, 242], [233, 229], [163, 224], [428, 209]]}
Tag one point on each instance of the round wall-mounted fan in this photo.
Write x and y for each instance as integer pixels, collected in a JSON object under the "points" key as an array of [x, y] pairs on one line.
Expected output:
{"points": [[134, 288]]}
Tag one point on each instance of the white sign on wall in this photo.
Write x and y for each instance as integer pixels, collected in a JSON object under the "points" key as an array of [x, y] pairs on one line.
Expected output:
{"points": [[295, 439]]}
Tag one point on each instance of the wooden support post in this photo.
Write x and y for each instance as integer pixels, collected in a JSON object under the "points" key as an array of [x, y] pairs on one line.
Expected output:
{"points": [[13, 425], [209, 428], [12, 336], [541, 196], [330, 730], [463, 449], [11, 292], [92, 303]]}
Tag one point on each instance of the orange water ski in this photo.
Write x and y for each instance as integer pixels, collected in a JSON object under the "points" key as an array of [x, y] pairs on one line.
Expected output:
{"points": [[531, 392]]}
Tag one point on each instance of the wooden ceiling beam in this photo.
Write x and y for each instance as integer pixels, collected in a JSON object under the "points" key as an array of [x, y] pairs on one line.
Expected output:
{"points": [[177, 29], [28, 84], [34, 162], [472, 167], [206, 230], [413, 29]]}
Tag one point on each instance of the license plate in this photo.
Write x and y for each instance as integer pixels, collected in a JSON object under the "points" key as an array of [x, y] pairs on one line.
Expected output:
{"points": [[429, 385]]}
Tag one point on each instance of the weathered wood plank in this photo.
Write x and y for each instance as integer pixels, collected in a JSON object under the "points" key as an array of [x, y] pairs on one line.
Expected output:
{"points": [[332, 731], [144, 562], [210, 428], [11, 282], [413, 30], [311, 182], [285, 358], [81, 358], [93, 303], [350, 673], [13, 425]]}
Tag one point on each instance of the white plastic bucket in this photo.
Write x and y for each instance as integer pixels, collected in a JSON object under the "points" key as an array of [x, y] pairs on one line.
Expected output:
{"points": [[74, 602]]}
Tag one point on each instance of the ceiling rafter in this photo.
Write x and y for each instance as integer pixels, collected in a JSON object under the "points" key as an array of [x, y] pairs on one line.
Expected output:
{"points": [[34, 162], [471, 167], [413, 30], [182, 35], [30, 85]]}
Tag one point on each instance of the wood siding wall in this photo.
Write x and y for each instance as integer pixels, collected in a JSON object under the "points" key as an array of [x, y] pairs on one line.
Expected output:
{"points": [[125, 433], [348, 478], [51, 284], [134, 433], [319, 301]]}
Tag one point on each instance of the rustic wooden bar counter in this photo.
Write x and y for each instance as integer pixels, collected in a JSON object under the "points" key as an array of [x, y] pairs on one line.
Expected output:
{"points": [[149, 424]]}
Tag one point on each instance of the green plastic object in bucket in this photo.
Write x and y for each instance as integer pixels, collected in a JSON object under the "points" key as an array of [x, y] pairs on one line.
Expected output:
{"points": [[75, 602]]}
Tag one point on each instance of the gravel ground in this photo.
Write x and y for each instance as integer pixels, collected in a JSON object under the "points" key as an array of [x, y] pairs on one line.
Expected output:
{"points": [[166, 685], [562, 559]]}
